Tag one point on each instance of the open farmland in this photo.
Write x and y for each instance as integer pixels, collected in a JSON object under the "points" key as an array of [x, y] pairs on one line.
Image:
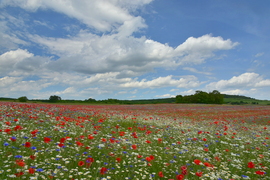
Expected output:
{"points": [[165, 141]]}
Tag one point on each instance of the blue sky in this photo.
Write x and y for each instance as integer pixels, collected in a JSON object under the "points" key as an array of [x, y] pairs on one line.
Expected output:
{"points": [[140, 49]]}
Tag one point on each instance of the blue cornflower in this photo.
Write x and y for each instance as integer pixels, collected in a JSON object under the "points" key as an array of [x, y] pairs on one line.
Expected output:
{"points": [[6, 144], [33, 148], [18, 156], [39, 169]]}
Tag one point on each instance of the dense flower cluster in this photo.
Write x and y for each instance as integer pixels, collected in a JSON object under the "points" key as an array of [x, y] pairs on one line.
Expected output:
{"points": [[172, 142]]}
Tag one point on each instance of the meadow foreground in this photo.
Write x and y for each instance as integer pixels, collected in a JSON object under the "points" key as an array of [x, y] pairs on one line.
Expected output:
{"points": [[166, 141]]}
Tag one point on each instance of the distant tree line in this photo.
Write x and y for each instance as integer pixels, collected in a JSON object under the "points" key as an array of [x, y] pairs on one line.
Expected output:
{"points": [[213, 97]]}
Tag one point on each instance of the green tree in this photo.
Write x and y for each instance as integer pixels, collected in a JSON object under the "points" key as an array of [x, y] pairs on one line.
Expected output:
{"points": [[179, 99], [216, 97], [23, 99], [90, 100], [201, 97], [54, 98]]}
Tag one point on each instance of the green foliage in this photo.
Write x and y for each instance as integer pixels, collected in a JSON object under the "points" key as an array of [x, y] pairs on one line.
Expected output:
{"points": [[6, 99], [179, 99], [90, 100], [23, 99], [54, 99], [201, 97]]}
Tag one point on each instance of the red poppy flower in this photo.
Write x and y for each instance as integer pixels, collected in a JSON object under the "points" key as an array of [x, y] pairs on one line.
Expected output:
{"points": [[147, 141], [197, 161], [7, 131], [31, 170], [61, 145], [79, 143], [18, 127], [152, 157], [199, 174], [62, 140], [134, 146], [139, 156], [89, 160], [80, 163], [260, 172], [208, 164], [90, 136], [34, 132], [19, 174], [148, 159], [47, 140], [32, 157], [183, 168], [112, 140], [180, 177], [27, 144], [20, 163], [118, 159], [217, 158], [122, 133], [251, 165], [103, 170], [160, 174]]}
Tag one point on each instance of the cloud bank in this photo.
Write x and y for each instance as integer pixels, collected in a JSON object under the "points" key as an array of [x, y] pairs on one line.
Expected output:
{"points": [[104, 56]]}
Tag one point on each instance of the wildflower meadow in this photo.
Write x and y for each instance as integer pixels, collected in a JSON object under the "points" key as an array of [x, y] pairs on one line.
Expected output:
{"points": [[118, 142]]}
